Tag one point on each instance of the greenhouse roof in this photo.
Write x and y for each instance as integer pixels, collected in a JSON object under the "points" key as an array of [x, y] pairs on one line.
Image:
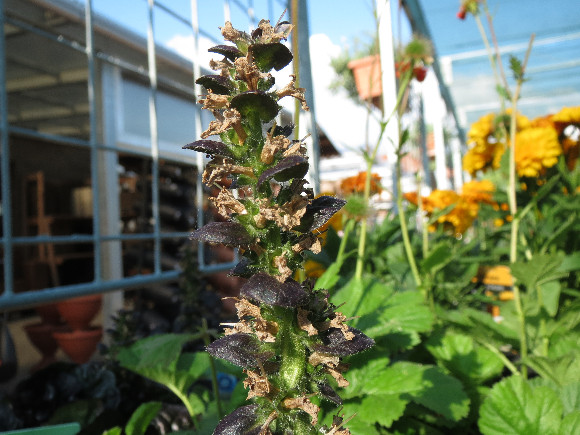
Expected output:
{"points": [[554, 64]]}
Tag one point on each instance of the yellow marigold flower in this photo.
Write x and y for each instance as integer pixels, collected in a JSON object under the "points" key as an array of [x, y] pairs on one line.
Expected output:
{"points": [[537, 149], [498, 222], [481, 129], [567, 116], [486, 150]]}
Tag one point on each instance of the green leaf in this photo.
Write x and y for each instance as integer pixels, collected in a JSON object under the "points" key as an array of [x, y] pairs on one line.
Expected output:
{"points": [[437, 258], [196, 403], [443, 394], [159, 358], [562, 370], [425, 385], [570, 424], [539, 267], [113, 431], [570, 396], [550, 296], [329, 278], [517, 68], [459, 354], [382, 408], [142, 417], [513, 407]]}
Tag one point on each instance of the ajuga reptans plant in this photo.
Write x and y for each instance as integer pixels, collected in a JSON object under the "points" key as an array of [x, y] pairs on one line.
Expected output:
{"points": [[289, 339]]}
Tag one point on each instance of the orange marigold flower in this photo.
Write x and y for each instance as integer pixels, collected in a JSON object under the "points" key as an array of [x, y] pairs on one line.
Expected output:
{"points": [[356, 184], [478, 191], [537, 149]]}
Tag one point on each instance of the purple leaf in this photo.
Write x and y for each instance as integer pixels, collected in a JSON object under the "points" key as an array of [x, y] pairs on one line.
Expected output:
{"points": [[318, 212], [239, 349], [337, 344], [286, 169], [210, 147], [328, 393], [268, 290], [229, 51], [218, 84], [226, 233], [238, 422]]}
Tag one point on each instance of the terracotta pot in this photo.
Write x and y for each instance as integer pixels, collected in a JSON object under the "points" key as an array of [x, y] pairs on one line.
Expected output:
{"points": [[79, 345], [49, 314], [79, 312], [40, 335], [367, 76]]}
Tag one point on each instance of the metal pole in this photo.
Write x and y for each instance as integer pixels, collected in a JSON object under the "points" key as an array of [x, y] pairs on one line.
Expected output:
{"points": [[308, 119], [6, 205], [151, 61], [93, 140]]}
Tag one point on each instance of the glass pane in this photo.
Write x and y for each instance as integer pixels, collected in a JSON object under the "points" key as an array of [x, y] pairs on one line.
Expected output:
{"points": [[47, 86]]}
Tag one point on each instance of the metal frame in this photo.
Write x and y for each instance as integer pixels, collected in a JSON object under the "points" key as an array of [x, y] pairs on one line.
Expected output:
{"points": [[11, 300]]}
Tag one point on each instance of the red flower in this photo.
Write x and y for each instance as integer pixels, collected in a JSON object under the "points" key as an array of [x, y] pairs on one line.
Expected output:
{"points": [[462, 13], [420, 72]]}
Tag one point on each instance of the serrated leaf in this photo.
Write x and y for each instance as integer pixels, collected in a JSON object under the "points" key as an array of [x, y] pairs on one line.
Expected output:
{"points": [[513, 407], [426, 385], [539, 267], [562, 370], [443, 394], [142, 417], [382, 408], [458, 354], [570, 396]]}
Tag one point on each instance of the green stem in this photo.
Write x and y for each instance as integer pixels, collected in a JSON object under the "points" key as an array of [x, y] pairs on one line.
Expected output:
{"points": [[404, 229], [514, 208], [506, 362], [293, 362], [185, 400], [491, 57], [346, 232], [214, 380]]}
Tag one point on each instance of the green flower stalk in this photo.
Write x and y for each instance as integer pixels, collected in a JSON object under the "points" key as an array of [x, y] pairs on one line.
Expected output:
{"points": [[289, 339]]}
